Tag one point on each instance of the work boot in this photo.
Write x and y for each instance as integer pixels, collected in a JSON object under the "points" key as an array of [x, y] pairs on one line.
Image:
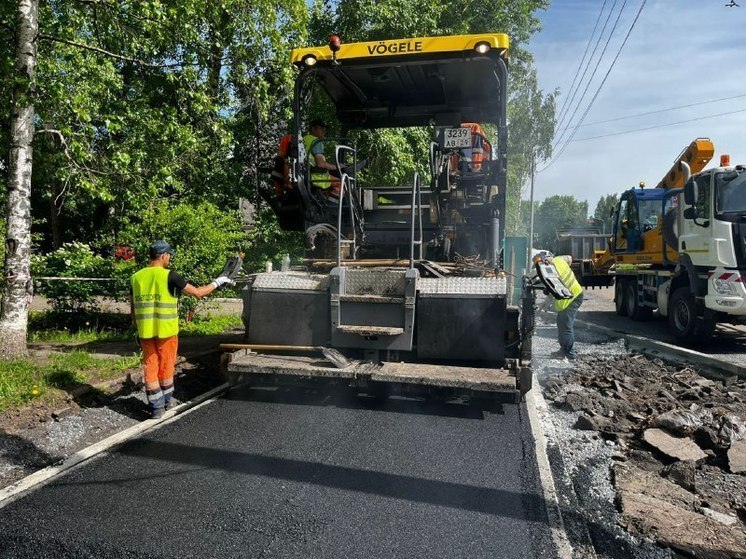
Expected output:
{"points": [[559, 354], [157, 413], [171, 404]]}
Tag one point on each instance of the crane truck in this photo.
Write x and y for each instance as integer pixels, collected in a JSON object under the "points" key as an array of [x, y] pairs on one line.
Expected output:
{"points": [[382, 281], [680, 247]]}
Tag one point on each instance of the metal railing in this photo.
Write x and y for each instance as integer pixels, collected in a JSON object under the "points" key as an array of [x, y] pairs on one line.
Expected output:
{"points": [[346, 190], [416, 202]]}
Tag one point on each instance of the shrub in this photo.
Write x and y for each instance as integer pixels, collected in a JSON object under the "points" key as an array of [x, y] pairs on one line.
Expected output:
{"points": [[202, 235], [74, 260]]}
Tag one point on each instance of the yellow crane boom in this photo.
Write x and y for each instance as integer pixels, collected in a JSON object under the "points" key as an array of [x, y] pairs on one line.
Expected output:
{"points": [[696, 155]]}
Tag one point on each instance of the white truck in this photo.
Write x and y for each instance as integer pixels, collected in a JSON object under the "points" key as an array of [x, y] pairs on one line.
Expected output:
{"points": [[680, 248]]}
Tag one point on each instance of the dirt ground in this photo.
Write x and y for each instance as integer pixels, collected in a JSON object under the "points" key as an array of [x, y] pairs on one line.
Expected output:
{"points": [[46, 432], [679, 447]]}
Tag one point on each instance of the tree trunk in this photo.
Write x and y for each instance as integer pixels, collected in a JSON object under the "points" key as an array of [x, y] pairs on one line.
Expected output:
{"points": [[18, 287]]}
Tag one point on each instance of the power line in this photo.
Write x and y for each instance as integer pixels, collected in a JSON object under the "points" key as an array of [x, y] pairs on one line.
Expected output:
{"points": [[659, 126], [587, 65], [580, 65], [595, 96], [593, 75], [658, 111]]}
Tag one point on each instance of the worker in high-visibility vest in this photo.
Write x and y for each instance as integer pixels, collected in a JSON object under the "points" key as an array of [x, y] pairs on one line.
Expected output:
{"points": [[155, 311], [324, 175], [567, 308]]}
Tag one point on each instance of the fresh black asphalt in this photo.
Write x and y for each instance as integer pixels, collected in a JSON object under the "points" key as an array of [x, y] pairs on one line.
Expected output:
{"points": [[299, 474]]}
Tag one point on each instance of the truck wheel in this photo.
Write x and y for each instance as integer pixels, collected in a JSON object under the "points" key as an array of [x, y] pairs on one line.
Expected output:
{"points": [[620, 296], [635, 310], [682, 317]]}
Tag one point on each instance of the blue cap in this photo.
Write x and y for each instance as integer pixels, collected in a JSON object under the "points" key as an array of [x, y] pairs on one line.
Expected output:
{"points": [[160, 247]]}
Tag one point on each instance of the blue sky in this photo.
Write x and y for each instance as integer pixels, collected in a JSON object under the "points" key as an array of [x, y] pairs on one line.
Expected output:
{"points": [[680, 52]]}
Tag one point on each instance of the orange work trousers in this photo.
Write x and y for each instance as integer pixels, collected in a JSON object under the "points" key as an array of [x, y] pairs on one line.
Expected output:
{"points": [[159, 356]]}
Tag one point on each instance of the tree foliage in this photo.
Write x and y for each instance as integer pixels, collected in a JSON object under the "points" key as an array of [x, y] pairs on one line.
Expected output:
{"points": [[602, 215], [144, 100], [555, 213]]}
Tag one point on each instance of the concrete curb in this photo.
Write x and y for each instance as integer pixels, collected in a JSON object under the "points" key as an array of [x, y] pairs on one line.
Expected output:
{"points": [[720, 367], [44, 476], [554, 513]]}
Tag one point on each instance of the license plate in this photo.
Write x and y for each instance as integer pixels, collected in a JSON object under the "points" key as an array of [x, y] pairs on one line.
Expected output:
{"points": [[456, 138]]}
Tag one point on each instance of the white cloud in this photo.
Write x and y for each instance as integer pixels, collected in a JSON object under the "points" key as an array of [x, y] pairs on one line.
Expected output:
{"points": [[680, 52]]}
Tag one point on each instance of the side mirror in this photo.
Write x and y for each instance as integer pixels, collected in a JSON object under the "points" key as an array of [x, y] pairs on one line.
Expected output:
{"points": [[691, 193], [691, 213]]}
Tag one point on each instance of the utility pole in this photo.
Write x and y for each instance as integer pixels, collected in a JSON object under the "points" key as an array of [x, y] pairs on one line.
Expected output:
{"points": [[531, 222]]}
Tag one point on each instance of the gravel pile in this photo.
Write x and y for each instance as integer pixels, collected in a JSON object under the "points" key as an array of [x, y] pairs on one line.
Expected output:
{"points": [[676, 443], [580, 459]]}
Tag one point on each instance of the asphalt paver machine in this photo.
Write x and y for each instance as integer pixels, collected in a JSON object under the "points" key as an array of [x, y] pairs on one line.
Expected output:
{"points": [[405, 280]]}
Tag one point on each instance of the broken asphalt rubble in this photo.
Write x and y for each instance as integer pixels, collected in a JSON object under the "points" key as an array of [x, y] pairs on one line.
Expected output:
{"points": [[680, 472]]}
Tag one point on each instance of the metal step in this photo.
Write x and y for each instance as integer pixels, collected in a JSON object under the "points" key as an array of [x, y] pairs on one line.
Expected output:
{"points": [[371, 299], [372, 308], [370, 330]]}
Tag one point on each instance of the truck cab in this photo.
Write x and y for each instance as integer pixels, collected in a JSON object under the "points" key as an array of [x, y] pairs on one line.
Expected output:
{"points": [[712, 236]]}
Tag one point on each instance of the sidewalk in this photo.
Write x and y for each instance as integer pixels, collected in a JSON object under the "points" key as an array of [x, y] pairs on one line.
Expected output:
{"points": [[218, 306]]}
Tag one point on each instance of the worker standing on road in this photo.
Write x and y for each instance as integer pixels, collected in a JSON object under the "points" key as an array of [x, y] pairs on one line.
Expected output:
{"points": [[155, 292], [567, 308], [324, 175]]}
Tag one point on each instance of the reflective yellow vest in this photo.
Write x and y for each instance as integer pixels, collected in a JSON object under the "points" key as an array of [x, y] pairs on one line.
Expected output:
{"points": [[567, 277], [319, 178], [156, 310]]}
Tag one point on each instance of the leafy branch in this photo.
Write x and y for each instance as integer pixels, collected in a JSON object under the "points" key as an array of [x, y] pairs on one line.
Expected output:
{"points": [[66, 150], [110, 54]]}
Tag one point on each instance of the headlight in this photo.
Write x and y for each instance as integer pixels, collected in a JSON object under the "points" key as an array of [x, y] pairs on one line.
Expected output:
{"points": [[724, 287], [482, 48], [309, 60]]}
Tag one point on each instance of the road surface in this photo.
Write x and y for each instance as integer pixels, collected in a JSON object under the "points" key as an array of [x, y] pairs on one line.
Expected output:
{"points": [[729, 341], [285, 473]]}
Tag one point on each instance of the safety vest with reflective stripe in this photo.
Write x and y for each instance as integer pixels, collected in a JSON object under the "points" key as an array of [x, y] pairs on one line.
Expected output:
{"points": [[319, 177], [156, 310], [568, 280]]}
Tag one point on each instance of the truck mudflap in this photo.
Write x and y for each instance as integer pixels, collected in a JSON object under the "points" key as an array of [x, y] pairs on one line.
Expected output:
{"points": [[511, 381]]}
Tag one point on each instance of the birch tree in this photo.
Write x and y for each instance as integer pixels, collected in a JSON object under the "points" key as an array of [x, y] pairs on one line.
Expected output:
{"points": [[17, 286]]}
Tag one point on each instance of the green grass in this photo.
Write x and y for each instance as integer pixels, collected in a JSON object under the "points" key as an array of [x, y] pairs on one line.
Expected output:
{"points": [[81, 336], [22, 380], [44, 329], [209, 326]]}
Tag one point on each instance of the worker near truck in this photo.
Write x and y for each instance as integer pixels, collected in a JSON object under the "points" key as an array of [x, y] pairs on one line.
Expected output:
{"points": [[155, 312], [324, 175], [566, 309]]}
